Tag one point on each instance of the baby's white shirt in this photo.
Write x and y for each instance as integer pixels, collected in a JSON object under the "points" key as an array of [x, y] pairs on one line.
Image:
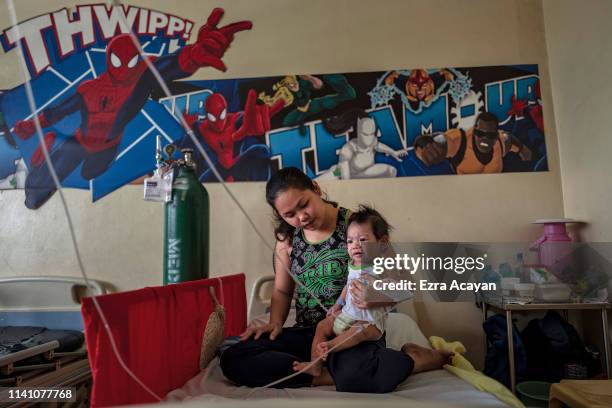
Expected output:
{"points": [[377, 316]]}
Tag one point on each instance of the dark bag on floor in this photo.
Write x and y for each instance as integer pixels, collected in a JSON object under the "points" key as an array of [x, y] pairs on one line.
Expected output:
{"points": [[496, 360], [551, 343]]}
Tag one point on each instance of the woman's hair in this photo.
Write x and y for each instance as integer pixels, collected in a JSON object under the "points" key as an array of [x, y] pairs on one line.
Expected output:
{"points": [[365, 215], [280, 182]]}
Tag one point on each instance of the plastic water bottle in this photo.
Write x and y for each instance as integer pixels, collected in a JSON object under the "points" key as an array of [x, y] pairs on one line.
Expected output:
{"points": [[490, 275], [520, 270], [506, 270]]}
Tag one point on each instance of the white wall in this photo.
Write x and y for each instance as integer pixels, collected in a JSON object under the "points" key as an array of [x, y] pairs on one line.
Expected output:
{"points": [[580, 56], [121, 236]]}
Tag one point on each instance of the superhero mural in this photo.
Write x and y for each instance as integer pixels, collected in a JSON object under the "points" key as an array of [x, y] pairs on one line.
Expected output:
{"points": [[92, 89], [101, 110], [396, 123]]}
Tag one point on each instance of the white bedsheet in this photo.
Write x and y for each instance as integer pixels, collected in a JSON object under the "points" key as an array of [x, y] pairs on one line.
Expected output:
{"points": [[439, 388]]}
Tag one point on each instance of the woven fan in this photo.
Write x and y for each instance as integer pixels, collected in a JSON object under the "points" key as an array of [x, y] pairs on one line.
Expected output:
{"points": [[213, 333]]}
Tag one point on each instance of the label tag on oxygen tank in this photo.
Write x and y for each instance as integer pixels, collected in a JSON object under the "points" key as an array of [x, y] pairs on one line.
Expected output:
{"points": [[159, 187]]}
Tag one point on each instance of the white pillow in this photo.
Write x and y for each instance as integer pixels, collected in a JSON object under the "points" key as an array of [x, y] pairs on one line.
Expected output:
{"points": [[401, 329]]}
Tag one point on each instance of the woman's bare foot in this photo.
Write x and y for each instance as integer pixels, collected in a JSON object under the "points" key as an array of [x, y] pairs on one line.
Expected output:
{"points": [[314, 369], [324, 379], [426, 359]]}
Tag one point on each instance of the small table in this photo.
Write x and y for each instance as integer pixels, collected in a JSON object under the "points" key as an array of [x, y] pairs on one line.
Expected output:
{"points": [[581, 394], [510, 307]]}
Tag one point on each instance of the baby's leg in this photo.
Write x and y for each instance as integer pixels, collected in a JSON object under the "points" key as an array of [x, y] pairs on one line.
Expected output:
{"points": [[323, 332], [351, 338]]}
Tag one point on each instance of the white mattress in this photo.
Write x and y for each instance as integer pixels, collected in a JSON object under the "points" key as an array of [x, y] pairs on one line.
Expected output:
{"points": [[434, 388]]}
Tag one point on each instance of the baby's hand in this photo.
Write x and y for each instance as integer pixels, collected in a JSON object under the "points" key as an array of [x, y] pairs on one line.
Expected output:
{"points": [[322, 350], [334, 310]]}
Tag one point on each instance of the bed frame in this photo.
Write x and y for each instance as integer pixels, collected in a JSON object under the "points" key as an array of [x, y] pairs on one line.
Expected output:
{"points": [[49, 301], [52, 302], [259, 304]]}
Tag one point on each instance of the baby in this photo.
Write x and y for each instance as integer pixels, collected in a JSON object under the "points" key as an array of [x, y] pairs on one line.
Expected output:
{"points": [[367, 230]]}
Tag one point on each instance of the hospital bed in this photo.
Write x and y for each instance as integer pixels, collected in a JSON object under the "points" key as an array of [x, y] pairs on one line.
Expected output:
{"points": [[434, 388], [41, 339], [159, 334]]}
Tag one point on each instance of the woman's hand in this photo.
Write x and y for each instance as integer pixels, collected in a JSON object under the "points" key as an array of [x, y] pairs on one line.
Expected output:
{"points": [[275, 329], [334, 310], [364, 296]]}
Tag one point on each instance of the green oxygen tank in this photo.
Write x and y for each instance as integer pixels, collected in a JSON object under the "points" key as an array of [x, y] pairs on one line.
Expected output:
{"points": [[186, 228]]}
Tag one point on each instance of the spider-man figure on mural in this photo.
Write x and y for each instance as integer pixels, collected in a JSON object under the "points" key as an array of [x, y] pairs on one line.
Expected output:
{"points": [[527, 123], [222, 130], [108, 103]]}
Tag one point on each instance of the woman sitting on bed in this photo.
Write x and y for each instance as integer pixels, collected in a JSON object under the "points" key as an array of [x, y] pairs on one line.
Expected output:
{"points": [[311, 241]]}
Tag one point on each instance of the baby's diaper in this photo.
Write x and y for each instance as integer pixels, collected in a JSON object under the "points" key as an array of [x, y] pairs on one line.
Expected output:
{"points": [[343, 322]]}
